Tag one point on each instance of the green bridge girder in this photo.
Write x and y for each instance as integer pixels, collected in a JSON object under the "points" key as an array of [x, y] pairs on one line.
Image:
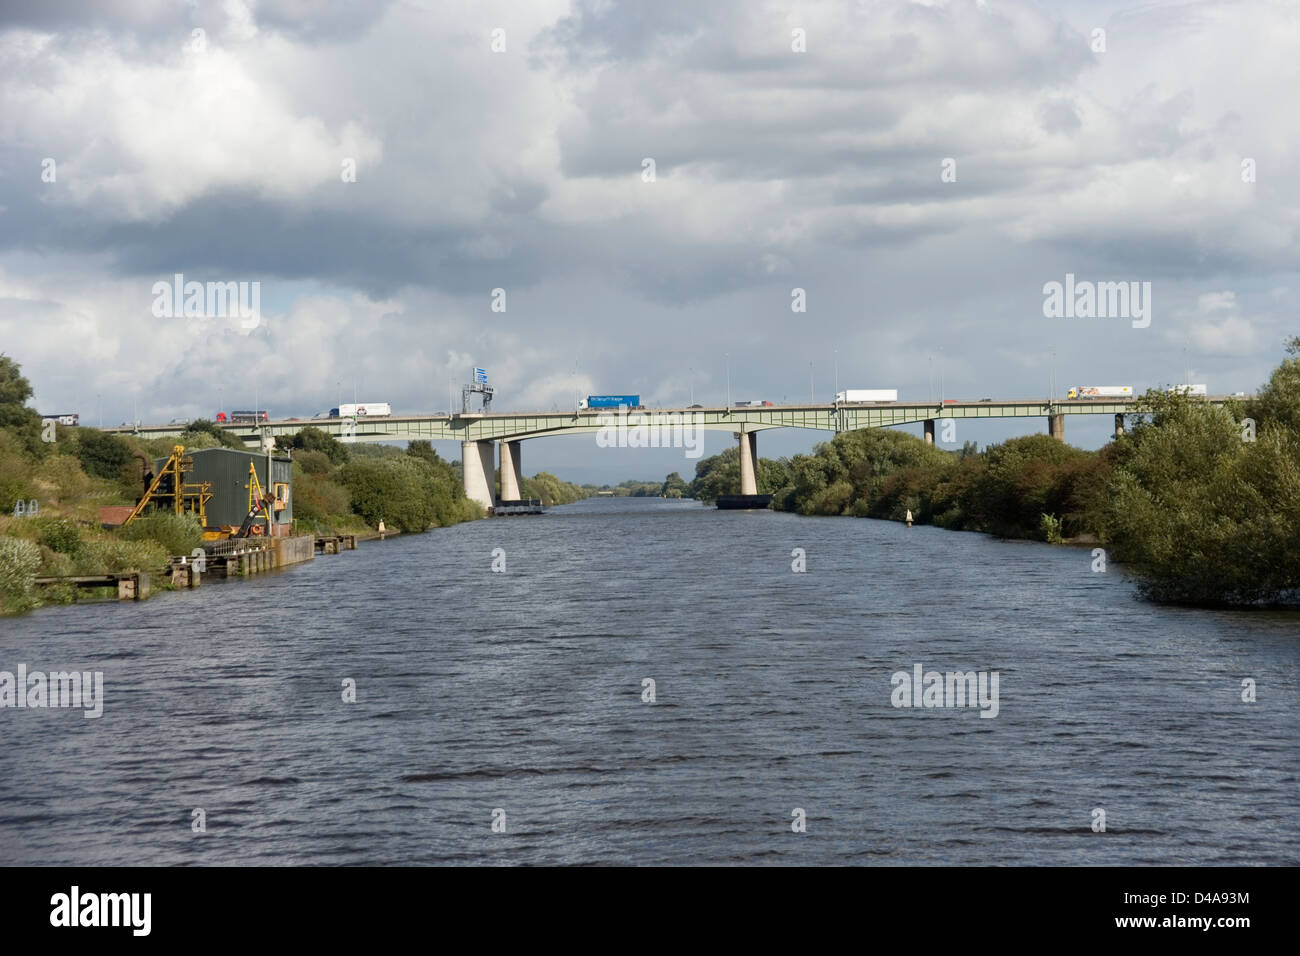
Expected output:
{"points": [[525, 425]]}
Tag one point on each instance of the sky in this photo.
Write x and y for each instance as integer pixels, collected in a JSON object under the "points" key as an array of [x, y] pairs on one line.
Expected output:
{"points": [[607, 197]]}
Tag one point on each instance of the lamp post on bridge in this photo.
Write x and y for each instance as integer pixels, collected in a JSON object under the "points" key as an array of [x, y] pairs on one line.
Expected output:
{"points": [[727, 358]]}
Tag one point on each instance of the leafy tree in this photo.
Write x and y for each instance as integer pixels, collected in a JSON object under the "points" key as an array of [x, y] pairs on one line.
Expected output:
{"points": [[15, 416], [550, 489], [1279, 400], [1202, 516], [421, 448], [220, 437], [405, 491], [16, 472], [313, 462], [717, 475], [675, 486], [102, 454], [317, 498], [311, 438]]}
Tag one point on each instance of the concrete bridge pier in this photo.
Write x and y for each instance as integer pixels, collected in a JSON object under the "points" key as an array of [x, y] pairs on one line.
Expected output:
{"points": [[477, 467], [512, 477], [1119, 425], [929, 431], [748, 462], [1056, 426]]}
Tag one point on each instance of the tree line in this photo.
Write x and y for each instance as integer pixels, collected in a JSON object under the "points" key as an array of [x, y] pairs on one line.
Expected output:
{"points": [[1201, 502]]}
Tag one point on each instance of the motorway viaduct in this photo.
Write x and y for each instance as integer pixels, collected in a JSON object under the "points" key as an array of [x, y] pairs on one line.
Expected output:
{"points": [[478, 432]]}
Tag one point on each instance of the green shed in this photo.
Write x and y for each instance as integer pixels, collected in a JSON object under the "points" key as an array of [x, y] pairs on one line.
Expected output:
{"points": [[227, 471]]}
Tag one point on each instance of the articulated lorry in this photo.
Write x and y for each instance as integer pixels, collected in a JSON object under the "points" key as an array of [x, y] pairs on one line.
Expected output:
{"points": [[362, 410], [610, 401], [851, 395], [1100, 391], [1199, 390]]}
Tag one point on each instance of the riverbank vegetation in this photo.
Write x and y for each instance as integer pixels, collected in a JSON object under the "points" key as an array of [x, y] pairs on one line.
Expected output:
{"points": [[55, 478], [1200, 502]]}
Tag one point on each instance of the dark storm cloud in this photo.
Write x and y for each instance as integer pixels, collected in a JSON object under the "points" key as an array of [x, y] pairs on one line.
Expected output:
{"points": [[310, 21], [74, 15], [523, 171]]}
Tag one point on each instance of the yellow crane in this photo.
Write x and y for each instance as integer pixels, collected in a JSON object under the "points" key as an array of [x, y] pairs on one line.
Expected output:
{"points": [[169, 483], [257, 508]]}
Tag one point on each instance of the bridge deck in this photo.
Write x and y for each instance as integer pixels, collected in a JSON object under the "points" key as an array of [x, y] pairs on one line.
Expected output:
{"points": [[518, 425]]}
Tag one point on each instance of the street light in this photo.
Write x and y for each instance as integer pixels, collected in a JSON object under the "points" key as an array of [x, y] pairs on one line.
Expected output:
{"points": [[812, 391], [836, 354], [727, 358]]}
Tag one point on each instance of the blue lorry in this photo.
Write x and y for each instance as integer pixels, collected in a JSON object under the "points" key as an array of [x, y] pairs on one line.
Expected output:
{"points": [[610, 401]]}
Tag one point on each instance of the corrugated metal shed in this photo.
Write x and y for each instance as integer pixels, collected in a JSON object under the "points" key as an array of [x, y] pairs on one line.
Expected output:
{"points": [[227, 470]]}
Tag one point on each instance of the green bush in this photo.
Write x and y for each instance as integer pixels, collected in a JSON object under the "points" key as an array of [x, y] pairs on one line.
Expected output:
{"points": [[19, 561], [551, 490], [19, 421], [312, 438], [1203, 517], [175, 534], [101, 454], [16, 472], [316, 497], [201, 433], [107, 555], [406, 492], [58, 534], [64, 473], [313, 462]]}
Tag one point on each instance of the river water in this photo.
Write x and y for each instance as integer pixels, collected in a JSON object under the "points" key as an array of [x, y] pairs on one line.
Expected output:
{"points": [[518, 696]]}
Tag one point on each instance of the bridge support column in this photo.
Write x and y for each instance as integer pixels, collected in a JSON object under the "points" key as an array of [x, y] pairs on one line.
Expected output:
{"points": [[748, 463], [929, 431], [476, 471], [512, 477], [1119, 425], [1056, 426]]}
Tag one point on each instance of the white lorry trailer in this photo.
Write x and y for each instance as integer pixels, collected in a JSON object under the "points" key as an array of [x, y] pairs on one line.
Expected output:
{"points": [[362, 410], [1100, 391], [851, 395]]}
